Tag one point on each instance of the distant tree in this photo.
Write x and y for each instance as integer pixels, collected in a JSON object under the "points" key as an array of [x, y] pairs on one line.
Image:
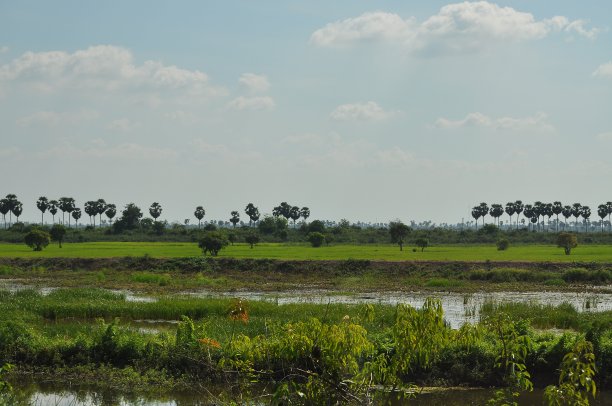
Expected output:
{"points": [[159, 227], [43, 204], [76, 215], [267, 225], [422, 243], [155, 210], [510, 210], [502, 244], [567, 213], [284, 209], [602, 212], [557, 208], [65, 205], [518, 209], [231, 237], [53, 208], [252, 239], [305, 213], [496, 212], [398, 231], [484, 210], [111, 211], [476, 215], [294, 214], [538, 210], [58, 232], [101, 207], [235, 218], [130, 218], [91, 209], [199, 213], [529, 213], [316, 226], [585, 212], [252, 212], [12, 201], [37, 239], [316, 239], [609, 207], [17, 209], [576, 212], [212, 242], [547, 211], [567, 241], [5, 208]]}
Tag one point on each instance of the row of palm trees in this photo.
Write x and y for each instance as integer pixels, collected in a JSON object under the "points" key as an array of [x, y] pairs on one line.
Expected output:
{"points": [[284, 209], [533, 212]]}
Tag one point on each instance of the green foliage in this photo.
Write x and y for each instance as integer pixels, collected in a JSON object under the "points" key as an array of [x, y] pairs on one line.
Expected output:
{"points": [[576, 384], [398, 231], [567, 241], [502, 244], [212, 242], [57, 233], [251, 239], [316, 239], [37, 239], [422, 243], [316, 226]]}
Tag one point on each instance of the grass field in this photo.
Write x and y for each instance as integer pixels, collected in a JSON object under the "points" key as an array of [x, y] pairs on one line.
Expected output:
{"points": [[585, 253]]}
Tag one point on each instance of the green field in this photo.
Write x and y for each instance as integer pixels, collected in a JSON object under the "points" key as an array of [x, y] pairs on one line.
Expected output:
{"points": [[585, 253]]}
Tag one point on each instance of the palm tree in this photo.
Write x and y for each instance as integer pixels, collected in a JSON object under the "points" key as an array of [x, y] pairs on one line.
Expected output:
{"points": [[496, 211], [576, 212], [518, 209], [294, 214], [557, 208], [547, 210], [199, 214], [91, 208], [4, 209], [305, 213], [602, 212], [100, 209], [609, 207], [17, 209], [252, 212], [43, 204], [235, 218], [155, 210], [66, 205], [484, 210], [529, 212], [53, 208], [111, 210], [510, 210], [11, 201], [476, 215], [567, 213], [76, 215], [585, 212], [538, 210]]}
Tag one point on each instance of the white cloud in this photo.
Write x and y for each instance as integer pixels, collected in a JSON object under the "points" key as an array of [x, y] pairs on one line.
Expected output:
{"points": [[604, 70], [105, 68], [225, 153], [252, 103], [53, 119], [538, 122], [123, 125], [4, 49], [456, 27], [99, 150], [369, 111], [254, 83]]}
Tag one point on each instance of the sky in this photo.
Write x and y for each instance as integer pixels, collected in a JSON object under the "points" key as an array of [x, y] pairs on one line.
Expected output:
{"points": [[362, 110]]}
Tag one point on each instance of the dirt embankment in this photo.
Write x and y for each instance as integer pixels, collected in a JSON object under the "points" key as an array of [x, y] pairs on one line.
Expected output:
{"points": [[350, 266]]}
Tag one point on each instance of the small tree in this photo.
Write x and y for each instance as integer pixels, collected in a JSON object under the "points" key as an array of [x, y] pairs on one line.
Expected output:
{"points": [[199, 214], [155, 210], [212, 242], [43, 204], [422, 243], [76, 215], [37, 239], [235, 218], [111, 211], [567, 241], [398, 231], [502, 244], [316, 239], [251, 239], [58, 232], [252, 212]]}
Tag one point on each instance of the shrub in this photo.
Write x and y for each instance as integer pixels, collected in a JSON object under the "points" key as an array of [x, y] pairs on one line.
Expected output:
{"points": [[251, 239], [213, 242], [316, 226], [502, 244], [567, 241], [37, 239], [422, 243], [316, 239], [58, 232]]}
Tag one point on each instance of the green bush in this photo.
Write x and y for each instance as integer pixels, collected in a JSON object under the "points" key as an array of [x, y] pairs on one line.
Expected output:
{"points": [[502, 244], [316, 239], [37, 239]]}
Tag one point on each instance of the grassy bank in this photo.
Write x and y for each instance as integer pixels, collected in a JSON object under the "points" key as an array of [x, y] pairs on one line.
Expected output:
{"points": [[228, 342], [387, 252]]}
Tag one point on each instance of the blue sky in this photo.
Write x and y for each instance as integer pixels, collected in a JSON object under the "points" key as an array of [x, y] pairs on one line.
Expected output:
{"points": [[357, 109]]}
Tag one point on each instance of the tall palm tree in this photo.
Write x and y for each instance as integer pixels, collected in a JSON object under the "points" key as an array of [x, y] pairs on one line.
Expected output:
{"points": [[496, 211], [76, 215], [235, 218], [294, 214], [567, 213], [510, 210], [53, 204], [602, 212], [12, 202], [529, 212], [538, 210], [518, 209], [547, 211], [557, 208], [17, 209], [199, 213], [43, 204], [91, 208], [101, 209], [111, 211], [155, 210], [585, 212], [476, 215], [609, 207], [305, 213], [5, 208], [576, 212], [484, 210]]}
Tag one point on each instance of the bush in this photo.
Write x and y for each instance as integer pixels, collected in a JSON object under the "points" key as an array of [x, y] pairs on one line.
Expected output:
{"points": [[213, 242], [37, 239], [422, 243], [316, 226], [502, 244], [567, 241], [251, 239], [316, 239]]}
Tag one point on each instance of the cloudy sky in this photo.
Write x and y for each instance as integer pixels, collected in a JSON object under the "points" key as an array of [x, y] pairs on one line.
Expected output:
{"points": [[358, 109]]}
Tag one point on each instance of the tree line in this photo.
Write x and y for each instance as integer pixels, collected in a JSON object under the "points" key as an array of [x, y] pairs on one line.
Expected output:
{"points": [[540, 210]]}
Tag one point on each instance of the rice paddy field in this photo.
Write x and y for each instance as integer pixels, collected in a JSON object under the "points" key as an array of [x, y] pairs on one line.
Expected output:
{"points": [[389, 252]]}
